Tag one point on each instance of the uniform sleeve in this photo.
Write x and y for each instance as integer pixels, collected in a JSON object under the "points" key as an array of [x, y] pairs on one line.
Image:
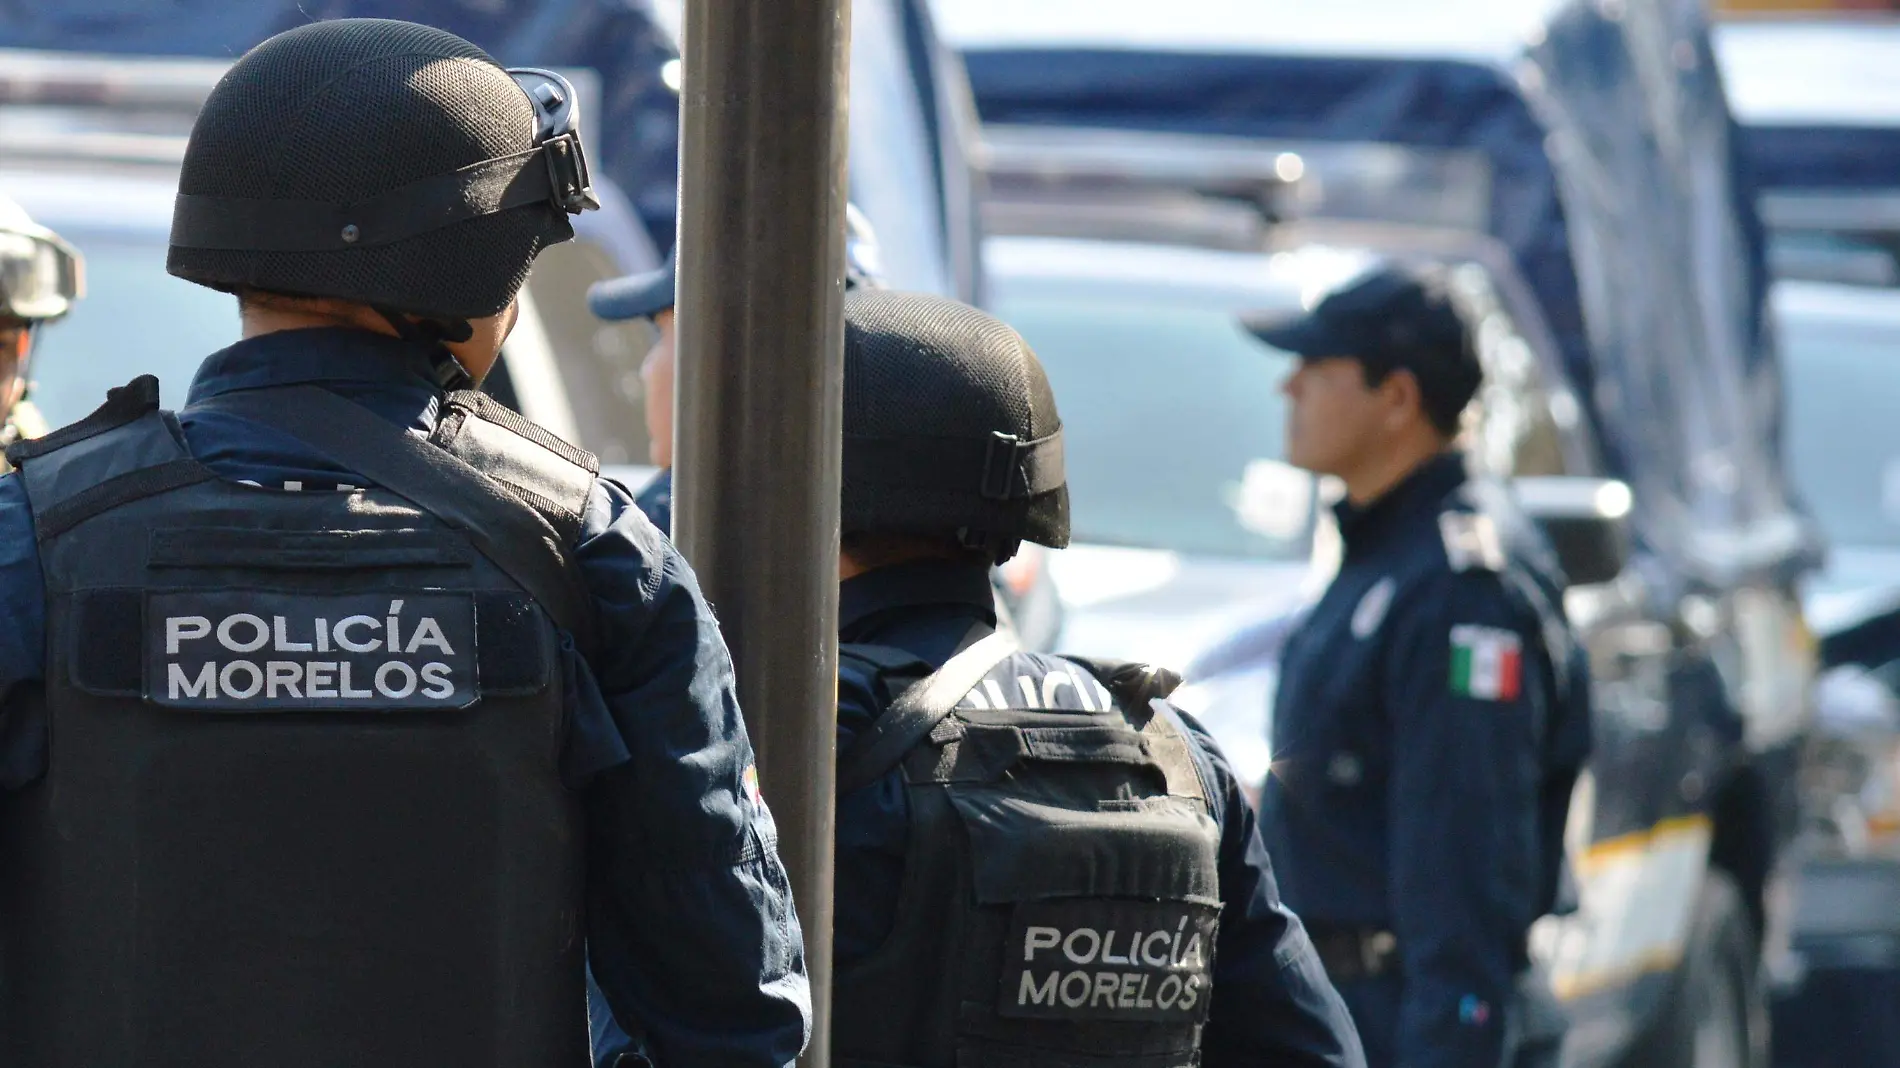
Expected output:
{"points": [[692, 937], [1464, 812], [1272, 1001], [22, 640], [656, 500], [873, 834]]}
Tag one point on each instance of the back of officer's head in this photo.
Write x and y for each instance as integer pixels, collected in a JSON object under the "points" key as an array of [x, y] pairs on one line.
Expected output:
{"points": [[951, 431], [1385, 360], [341, 111]]}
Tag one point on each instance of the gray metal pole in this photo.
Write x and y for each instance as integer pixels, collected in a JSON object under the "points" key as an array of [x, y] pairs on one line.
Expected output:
{"points": [[760, 373]]}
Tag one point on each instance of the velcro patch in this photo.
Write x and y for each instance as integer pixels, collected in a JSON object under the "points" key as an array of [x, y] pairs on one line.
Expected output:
{"points": [[259, 651], [1109, 960]]}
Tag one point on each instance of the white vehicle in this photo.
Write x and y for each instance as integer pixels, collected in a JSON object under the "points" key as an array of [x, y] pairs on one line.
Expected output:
{"points": [[93, 148]]}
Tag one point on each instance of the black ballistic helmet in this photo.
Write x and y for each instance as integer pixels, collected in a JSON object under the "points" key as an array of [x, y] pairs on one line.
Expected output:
{"points": [[949, 427], [380, 162]]}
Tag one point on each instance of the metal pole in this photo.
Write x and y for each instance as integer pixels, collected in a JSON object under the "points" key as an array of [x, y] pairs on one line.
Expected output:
{"points": [[760, 373]]}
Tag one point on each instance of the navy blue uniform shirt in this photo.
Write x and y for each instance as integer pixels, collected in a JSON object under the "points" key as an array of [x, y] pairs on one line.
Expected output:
{"points": [[656, 500], [1272, 1003], [1423, 752], [691, 929]]}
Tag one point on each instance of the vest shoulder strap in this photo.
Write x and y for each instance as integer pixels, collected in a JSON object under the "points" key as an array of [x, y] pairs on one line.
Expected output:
{"points": [[548, 474], [1131, 682], [125, 450], [512, 535], [917, 711], [124, 404], [1169, 745], [1145, 688]]}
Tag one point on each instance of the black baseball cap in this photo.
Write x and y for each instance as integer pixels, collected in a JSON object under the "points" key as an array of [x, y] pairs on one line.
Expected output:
{"points": [[1390, 318]]}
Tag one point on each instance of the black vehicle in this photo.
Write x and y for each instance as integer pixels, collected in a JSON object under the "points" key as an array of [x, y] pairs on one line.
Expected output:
{"points": [[1576, 159]]}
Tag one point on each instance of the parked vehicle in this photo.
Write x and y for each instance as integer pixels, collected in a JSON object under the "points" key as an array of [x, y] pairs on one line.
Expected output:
{"points": [[93, 147], [1576, 157], [913, 119], [1820, 104]]}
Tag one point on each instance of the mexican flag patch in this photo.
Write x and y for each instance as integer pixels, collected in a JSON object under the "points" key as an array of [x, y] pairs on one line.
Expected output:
{"points": [[1486, 663]]}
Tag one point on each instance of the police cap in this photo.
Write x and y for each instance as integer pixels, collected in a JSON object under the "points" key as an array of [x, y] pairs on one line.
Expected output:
{"points": [[949, 427], [1391, 318], [379, 162]]}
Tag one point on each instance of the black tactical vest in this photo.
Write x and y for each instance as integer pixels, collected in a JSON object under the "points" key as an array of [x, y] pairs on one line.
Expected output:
{"points": [[302, 806], [1060, 898]]}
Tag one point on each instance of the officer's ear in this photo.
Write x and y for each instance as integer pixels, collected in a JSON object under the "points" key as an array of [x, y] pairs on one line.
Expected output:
{"points": [[1403, 399]]}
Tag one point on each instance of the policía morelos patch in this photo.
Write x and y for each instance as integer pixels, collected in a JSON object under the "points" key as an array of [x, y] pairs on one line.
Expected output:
{"points": [[1109, 960], [259, 651]]}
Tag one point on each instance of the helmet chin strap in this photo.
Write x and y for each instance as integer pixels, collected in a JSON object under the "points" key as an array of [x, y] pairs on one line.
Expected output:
{"points": [[436, 334]]}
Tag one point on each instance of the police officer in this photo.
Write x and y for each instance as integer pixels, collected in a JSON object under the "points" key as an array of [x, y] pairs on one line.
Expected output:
{"points": [[1432, 712], [41, 277], [1040, 861], [650, 296], [370, 706]]}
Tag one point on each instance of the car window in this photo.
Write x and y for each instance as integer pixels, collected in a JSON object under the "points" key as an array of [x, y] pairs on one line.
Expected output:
{"points": [[599, 361], [1173, 423], [134, 319], [1842, 440]]}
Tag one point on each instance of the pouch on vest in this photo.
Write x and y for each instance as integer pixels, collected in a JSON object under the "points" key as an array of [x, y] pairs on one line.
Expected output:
{"points": [[1061, 898]]}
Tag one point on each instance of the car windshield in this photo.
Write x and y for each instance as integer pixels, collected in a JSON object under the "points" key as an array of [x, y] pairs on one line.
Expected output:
{"points": [[1171, 412], [1843, 382], [134, 319]]}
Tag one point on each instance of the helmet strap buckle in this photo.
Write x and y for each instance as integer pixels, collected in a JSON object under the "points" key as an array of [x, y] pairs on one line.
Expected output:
{"points": [[1002, 457], [568, 188], [995, 546]]}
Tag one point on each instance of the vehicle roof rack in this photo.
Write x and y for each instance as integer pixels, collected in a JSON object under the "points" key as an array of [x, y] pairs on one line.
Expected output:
{"points": [[1830, 235], [137, 109], [1218, 190]]}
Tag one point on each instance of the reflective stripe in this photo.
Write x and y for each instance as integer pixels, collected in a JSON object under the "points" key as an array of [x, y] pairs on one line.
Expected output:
{"points": [[1638, 893]]}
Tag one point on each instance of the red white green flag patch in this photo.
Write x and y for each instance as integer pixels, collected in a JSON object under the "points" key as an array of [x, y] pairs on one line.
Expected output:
{"points": [[1486, 663]]}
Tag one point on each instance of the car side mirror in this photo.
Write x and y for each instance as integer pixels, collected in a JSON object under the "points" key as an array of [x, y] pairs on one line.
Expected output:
{"points": [[1586, 521]]}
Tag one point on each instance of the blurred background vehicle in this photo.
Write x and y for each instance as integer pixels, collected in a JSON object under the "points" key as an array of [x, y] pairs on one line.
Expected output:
{"points": [[911, 119], [94, 145], [83, 86], [1575, 161], [1820, 104], [1143, 174], [95, 122]]}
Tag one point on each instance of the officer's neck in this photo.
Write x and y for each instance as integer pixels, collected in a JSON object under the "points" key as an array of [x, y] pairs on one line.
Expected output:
{"points": [[1387, 467], [867, 553], [260, 319], [273, 314]]}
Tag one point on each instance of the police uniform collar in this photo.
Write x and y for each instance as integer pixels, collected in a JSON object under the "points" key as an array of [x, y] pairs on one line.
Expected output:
{"points": [[914, 585], [316, 355], [1420, 493]]}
